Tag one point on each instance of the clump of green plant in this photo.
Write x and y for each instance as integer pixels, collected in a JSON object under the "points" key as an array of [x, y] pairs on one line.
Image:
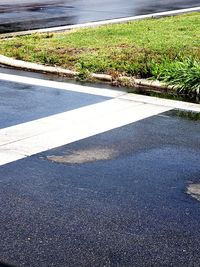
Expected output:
{"points": [[47, 58], [83, 74], [126, 82], [184, 74]]}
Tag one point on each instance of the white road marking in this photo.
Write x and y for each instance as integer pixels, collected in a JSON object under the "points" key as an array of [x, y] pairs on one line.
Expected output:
{"points": [[26, 139], [60, 85], [44, 125], [174, 104], [20, 141], [100, 92]]}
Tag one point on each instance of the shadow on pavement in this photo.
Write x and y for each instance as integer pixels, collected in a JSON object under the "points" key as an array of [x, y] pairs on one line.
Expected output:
{"points": [[2, 264]]}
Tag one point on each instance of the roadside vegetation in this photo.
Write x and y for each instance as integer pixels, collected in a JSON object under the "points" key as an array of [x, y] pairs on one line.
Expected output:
{"points": [[167, 49]]}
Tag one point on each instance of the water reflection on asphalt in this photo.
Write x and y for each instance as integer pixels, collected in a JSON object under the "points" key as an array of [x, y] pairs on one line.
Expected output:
{"points": [[16, 15]]}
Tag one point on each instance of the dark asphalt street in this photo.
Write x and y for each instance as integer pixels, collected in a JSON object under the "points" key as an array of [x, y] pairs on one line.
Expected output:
{"points": [[125, 204], [124, 197], [17, 15], [21, 103]]}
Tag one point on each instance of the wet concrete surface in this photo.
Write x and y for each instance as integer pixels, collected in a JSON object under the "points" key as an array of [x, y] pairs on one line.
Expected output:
{"points": [[21, 103], [20, 15], [128, 209]]}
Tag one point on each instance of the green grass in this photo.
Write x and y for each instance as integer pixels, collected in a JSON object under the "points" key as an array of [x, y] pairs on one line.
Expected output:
{"points": [[140, 48], [184, 75]]}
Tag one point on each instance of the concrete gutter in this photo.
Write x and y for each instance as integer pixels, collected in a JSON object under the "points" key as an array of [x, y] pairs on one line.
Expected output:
{"points": [[101, 23], [131, 81]]}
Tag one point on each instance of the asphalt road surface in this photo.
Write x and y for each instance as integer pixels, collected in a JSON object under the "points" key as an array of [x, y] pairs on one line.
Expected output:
{"points": [[99, 178], [17, 15]]}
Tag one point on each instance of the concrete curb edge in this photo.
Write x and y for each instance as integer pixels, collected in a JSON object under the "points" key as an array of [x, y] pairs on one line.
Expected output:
{"points": [[11, 62]]}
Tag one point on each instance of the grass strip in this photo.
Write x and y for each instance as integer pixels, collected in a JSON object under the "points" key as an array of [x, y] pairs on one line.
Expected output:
{"points": [[152, 48]]}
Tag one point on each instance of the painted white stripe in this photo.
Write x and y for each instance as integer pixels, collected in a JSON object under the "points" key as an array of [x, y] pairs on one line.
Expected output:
{"points": [[27, 139], [44, 125], [20, 141], [174, 104], [60, 85], [107, 22], [101, 92]]}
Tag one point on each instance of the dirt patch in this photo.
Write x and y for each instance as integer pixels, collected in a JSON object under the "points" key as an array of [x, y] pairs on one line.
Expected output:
{"points": [[194, 191], [84, 156], [74, 50]]}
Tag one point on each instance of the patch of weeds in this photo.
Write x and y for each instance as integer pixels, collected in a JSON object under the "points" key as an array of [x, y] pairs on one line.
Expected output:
{"points": [[18, 54], [48, 35], [126, 82], [17, 46], [83, 74], [46, 58], [35, 36], [115, 74], [92, 64], [184, 75]]}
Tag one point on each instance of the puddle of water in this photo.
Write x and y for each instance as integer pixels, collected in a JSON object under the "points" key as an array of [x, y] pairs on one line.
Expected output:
{"points": [[85, 156], [194, 191]]}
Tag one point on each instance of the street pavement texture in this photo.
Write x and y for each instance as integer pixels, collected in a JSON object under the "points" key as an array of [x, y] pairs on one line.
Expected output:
{"points": [[18, 15], [96, 177]]}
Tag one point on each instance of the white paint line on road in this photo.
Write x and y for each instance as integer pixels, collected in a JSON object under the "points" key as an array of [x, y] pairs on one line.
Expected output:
{"points": [[60, 85], [101, 92], [71, 126], [44, 125], [20, 141], [163, 102]]}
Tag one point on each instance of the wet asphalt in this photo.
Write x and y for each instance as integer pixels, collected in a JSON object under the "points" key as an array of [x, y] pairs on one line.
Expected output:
{"points": [[21, 103], [115, 199], [20, 15], [124, 206]]}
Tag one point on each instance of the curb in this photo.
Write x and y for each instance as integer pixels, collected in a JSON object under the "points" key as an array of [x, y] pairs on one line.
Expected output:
{"points": [[101, 23], [133, 82]]}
